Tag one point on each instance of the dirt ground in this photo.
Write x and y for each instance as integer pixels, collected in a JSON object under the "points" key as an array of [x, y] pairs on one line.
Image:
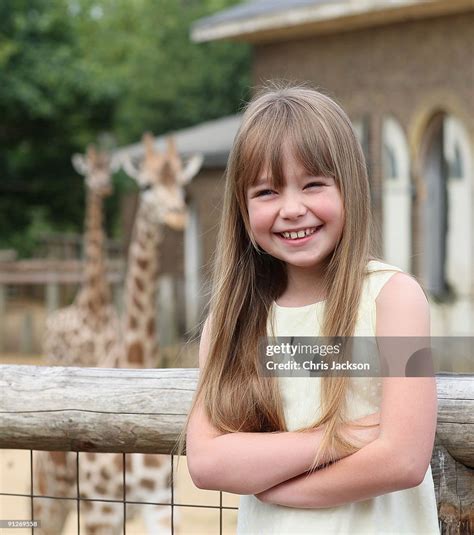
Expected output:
{"points": [[15, 479]]}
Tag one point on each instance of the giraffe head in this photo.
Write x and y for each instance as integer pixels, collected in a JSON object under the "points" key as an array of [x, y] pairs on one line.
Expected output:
{"points": [[97, 167], [162, 177]]}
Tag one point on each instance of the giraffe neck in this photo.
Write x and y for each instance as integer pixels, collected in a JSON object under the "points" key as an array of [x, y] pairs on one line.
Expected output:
{"points": [[141, 349], [94, 295]]}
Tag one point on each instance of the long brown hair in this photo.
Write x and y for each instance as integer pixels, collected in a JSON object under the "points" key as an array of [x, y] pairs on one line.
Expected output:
{"points": [[246, 281]]}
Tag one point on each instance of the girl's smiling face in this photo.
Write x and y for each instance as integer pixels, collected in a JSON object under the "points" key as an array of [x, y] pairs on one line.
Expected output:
{"points": [[303, 203]]}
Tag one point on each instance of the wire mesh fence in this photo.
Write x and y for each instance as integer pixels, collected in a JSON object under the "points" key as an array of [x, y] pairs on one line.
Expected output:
{"points": [[36, 524]]}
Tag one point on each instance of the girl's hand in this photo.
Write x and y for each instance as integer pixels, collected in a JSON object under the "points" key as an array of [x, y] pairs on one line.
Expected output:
{"points": [[278, 495], [263, 496], [284, 493]]}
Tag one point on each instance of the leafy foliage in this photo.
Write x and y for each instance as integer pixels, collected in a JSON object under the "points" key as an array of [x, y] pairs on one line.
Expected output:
{"points": [[73, 69]]}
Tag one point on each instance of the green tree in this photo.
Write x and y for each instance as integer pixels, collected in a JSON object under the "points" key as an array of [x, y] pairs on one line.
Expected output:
{"points": [[73, 69], [48, 101], [142, 52]]}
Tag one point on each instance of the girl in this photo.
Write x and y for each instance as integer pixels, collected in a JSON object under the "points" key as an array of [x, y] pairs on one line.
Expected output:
{"points": [[294, 258]]}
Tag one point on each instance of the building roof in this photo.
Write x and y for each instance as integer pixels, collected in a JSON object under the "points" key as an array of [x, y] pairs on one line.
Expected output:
{"points": [[271, 20], [254, 8], [212, 139]]}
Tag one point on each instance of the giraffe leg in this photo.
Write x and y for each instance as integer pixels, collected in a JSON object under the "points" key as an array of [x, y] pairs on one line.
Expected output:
{"points": [[101, 518], [51, 515], [54, 475], [158, 519], [101, 479], [156, 487]]}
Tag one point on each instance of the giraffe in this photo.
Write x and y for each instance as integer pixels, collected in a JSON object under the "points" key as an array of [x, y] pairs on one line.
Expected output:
{"points": [[161, 178], [79, 335]]}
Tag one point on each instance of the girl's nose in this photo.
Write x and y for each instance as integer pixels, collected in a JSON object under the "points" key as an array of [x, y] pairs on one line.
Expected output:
{"points": [[292, 207]]}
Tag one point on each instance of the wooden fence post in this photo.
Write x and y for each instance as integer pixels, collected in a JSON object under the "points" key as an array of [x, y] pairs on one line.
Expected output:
{"points": [[192, 268], [52, 296], [26, 334], [168, 334]]}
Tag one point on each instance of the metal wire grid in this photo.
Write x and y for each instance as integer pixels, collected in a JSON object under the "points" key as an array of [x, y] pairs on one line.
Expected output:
{"points": [[78, 499]]}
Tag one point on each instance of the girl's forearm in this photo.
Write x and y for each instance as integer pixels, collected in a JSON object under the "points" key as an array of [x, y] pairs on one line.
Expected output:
{"points": [[249, 463], [370, 472]]}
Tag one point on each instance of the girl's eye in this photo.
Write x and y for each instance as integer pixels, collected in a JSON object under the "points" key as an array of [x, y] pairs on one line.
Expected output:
{"points": [[263, 192], [311, 184]]}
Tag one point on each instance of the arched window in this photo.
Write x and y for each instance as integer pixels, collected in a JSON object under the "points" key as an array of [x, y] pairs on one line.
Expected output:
{"points": [[361, 128], [455, 148], [396, 195], [389, 162], [446, 209], [459, 172], [192, 265]]}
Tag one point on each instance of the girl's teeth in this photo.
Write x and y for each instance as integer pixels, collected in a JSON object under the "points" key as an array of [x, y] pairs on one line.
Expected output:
{"points": [[299, 234]]}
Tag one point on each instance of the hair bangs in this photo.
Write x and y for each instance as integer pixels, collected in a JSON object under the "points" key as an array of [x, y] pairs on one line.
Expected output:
{"points": [[310, 142], [312, 151], [262, 147]]}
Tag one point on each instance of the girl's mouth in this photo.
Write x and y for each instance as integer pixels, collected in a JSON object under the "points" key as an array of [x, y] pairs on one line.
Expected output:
{"points": [[299, 237]]}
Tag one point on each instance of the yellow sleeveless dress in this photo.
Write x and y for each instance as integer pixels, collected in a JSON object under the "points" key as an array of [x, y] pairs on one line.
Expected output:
{"points": [[411, 511]]}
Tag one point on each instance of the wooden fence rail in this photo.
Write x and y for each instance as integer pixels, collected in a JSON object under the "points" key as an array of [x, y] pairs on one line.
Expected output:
{"points": [[93, 409], [143, 411]]}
